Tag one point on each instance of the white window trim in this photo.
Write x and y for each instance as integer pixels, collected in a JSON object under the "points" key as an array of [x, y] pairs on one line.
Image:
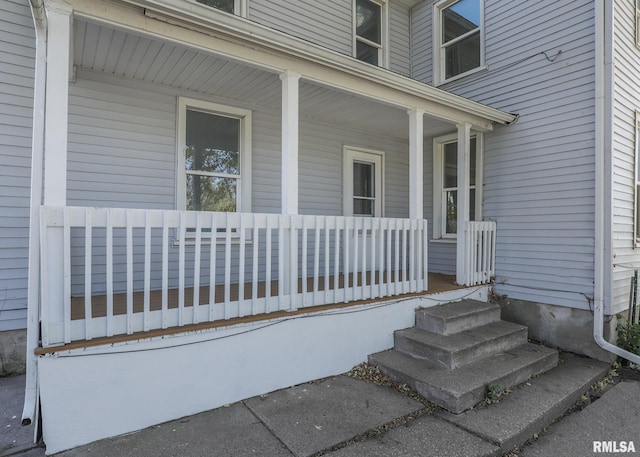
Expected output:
{"points": [[438, 203], [244, 184], [383, 48], [239, 7], [437, 47], [349, 154]]}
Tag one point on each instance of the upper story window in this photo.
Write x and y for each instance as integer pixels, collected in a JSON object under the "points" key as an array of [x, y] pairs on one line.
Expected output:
{"points": [[214, 154], [459, 38], [236, 7], [370, 31]]}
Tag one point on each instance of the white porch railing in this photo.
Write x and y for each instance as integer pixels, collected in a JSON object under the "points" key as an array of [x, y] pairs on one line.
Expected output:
{"points": [[480, 254], [109, 271]]}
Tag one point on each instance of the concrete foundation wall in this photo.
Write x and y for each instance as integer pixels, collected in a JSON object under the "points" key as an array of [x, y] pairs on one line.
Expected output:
{"points": [[568, 329], [13, 350], [98, 392]]}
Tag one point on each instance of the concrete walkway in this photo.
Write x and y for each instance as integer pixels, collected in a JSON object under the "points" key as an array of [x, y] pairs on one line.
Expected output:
{"points": [[343, 417]]}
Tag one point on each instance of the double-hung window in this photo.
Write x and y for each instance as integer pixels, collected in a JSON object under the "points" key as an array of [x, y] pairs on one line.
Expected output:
{"points": [[445, 181], [458, 38], [236, 7], [213, 157], [370, 31]]}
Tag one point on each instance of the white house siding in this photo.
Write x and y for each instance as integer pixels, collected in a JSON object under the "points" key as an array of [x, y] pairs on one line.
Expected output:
{"points": [[17, 59], [539, 173], [626, 101], [329, 24], [122, 154]]}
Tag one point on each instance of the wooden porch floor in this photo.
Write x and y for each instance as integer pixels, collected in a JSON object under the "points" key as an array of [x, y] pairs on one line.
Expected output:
{"points": [[437, 283]]}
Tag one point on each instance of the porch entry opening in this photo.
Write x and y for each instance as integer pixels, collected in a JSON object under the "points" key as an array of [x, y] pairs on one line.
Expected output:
{"points": [[363, 192]]}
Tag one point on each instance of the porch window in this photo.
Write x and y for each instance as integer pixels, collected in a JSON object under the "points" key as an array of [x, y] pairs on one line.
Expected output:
{"points": [[370, 31], [446, 185], [214, 156], [362, 181], [459, 38], [236, 7]]}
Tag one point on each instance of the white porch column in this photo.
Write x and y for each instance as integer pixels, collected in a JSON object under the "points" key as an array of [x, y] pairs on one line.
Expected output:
{"points": [[59, 18], [290, 97], [416, 164], [288, 245], [464, 164]]}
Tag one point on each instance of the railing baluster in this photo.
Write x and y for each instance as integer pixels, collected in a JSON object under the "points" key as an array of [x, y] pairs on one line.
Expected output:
{"points": [[165, 268], [227, 267], [396, 285], [372, 282], [181, 268], [254, 264], [281, 261], [147, 271], [267, 266], [66, 304], [129, 255], [347, 255], [412, 255], [241, 266], [316, 260], [293, 263], [363, 271], [336, 261], [304, 261], [109, 275], [88, 275], [425, 254], [196, 269], [388, 234], [213, 251], [327, 258]]}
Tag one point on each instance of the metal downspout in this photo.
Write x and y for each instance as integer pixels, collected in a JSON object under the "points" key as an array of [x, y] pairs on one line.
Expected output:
{"points": [[31, 400], [603, 63]]}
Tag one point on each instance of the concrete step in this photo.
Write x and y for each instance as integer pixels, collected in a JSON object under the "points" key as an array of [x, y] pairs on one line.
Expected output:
{"points": [[456, 317], [534, 405], [462, 388], [457, 349]]}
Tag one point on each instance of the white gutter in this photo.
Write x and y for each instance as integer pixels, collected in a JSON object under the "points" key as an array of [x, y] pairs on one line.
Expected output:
{"points": [[603, 148], [254, 34], [30, 409]]}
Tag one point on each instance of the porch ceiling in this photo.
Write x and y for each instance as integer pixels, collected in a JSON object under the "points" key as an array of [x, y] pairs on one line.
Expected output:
{"points": [[124, 54]]}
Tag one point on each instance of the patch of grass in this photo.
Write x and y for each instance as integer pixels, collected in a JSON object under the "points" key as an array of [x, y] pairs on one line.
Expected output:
{"points": [[629, 337]]}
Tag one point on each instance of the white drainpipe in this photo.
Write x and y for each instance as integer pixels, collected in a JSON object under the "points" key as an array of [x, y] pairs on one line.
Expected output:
{"points": [[604, 55], [30, 410]]}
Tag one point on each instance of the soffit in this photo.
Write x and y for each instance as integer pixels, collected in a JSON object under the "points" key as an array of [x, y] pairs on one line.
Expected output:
{"points": [[128, 55]]}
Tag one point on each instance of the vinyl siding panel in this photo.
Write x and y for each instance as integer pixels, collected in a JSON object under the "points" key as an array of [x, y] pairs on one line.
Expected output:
{"points": [[399, 39], [122, 136], [538, 173], [330, 24], [626, 101], [17, 61]]}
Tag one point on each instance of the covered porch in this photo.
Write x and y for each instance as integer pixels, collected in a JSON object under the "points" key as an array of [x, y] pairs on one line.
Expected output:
{"points": [[114, 226]]}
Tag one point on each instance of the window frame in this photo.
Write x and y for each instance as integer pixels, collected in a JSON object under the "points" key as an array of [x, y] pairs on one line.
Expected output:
{"points": [[243, 197], [439, 205], [239, 7], [351, 154], [439, 54], [383, 47]]}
